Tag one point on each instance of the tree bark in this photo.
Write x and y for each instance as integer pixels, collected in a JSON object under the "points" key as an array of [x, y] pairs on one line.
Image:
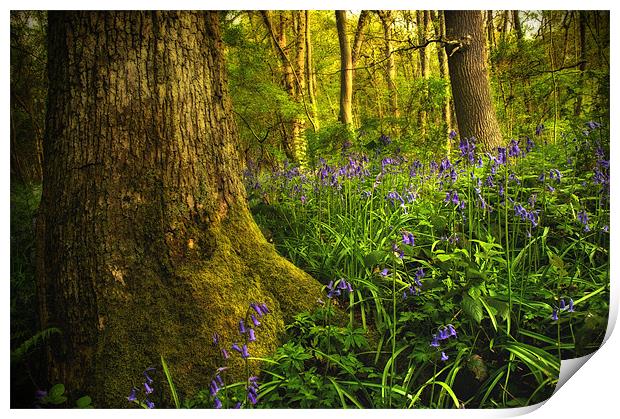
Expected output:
{"points": [[346, 70], [442, 59], [310, 74], [583, 58], [387, 20], [422, 20], [293, 142], [490, 30], [362, 21], [147, 245], [469, 79]]}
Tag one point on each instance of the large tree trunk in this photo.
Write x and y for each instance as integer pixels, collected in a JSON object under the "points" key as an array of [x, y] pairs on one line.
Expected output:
{"points": [[469, 79], [346, 70], [148, 247]]}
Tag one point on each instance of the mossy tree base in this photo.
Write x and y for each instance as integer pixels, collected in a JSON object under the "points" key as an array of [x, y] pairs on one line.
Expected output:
{"points": [[146, 246]]}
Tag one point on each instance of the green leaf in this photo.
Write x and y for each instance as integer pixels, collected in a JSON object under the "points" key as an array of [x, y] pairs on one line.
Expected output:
{"points": [[374, 258], [84, 402], [56, 391], [472, 308], [446, 257], [173, 389]]}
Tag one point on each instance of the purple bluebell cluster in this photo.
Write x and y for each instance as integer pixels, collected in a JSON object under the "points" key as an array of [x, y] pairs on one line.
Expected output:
{"points": [[529, 144], [453, 196], [531, 216], [416, 287], [513, 148], [554, 174], [539, 129], [385, 140], [394, 198], [246, 328], [467, 147], [148, 389], [582, 216], [443, 333], [336, 289], [601, 171], [562, 306], [414, 168], [408, 238]]}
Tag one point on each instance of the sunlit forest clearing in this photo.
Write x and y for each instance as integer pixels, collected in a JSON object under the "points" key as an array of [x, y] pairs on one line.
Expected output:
{"points": [[306, 209]]}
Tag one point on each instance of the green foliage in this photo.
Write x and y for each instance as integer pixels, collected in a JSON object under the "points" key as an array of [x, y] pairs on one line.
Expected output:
{"points": [[22, 351], [492, 274]]}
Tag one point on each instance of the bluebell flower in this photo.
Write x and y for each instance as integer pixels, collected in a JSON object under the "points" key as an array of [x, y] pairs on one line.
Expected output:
{"points": [[408, 238], [554, 315], [146, 375], [254, 320], [257, 309], [252, 336], [236, 347], [443, 334], [147, 388], [385, 140], [241, 327], [217, 403], [216, 339], [455, 198], [385, 272], [529, 144], [452, 330], [501, 155], [513, 148], [219, 380], [149, 404], [244, 352], [419, 274], [452, 134], [539, 129], [562, 304], [444, 357], [225, 354], [264, 308], [435, 342], [213, 388], [132, 395], [399, 252], [238, 405], [571, 306]]}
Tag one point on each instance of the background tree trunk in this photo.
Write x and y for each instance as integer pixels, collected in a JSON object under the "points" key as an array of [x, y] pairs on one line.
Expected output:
{"points": [[310, 74], [293, 141], [469, 79], [442, 59], [346, 70], [423, 24], [147, 244], [387, 20], [583, 58]]}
